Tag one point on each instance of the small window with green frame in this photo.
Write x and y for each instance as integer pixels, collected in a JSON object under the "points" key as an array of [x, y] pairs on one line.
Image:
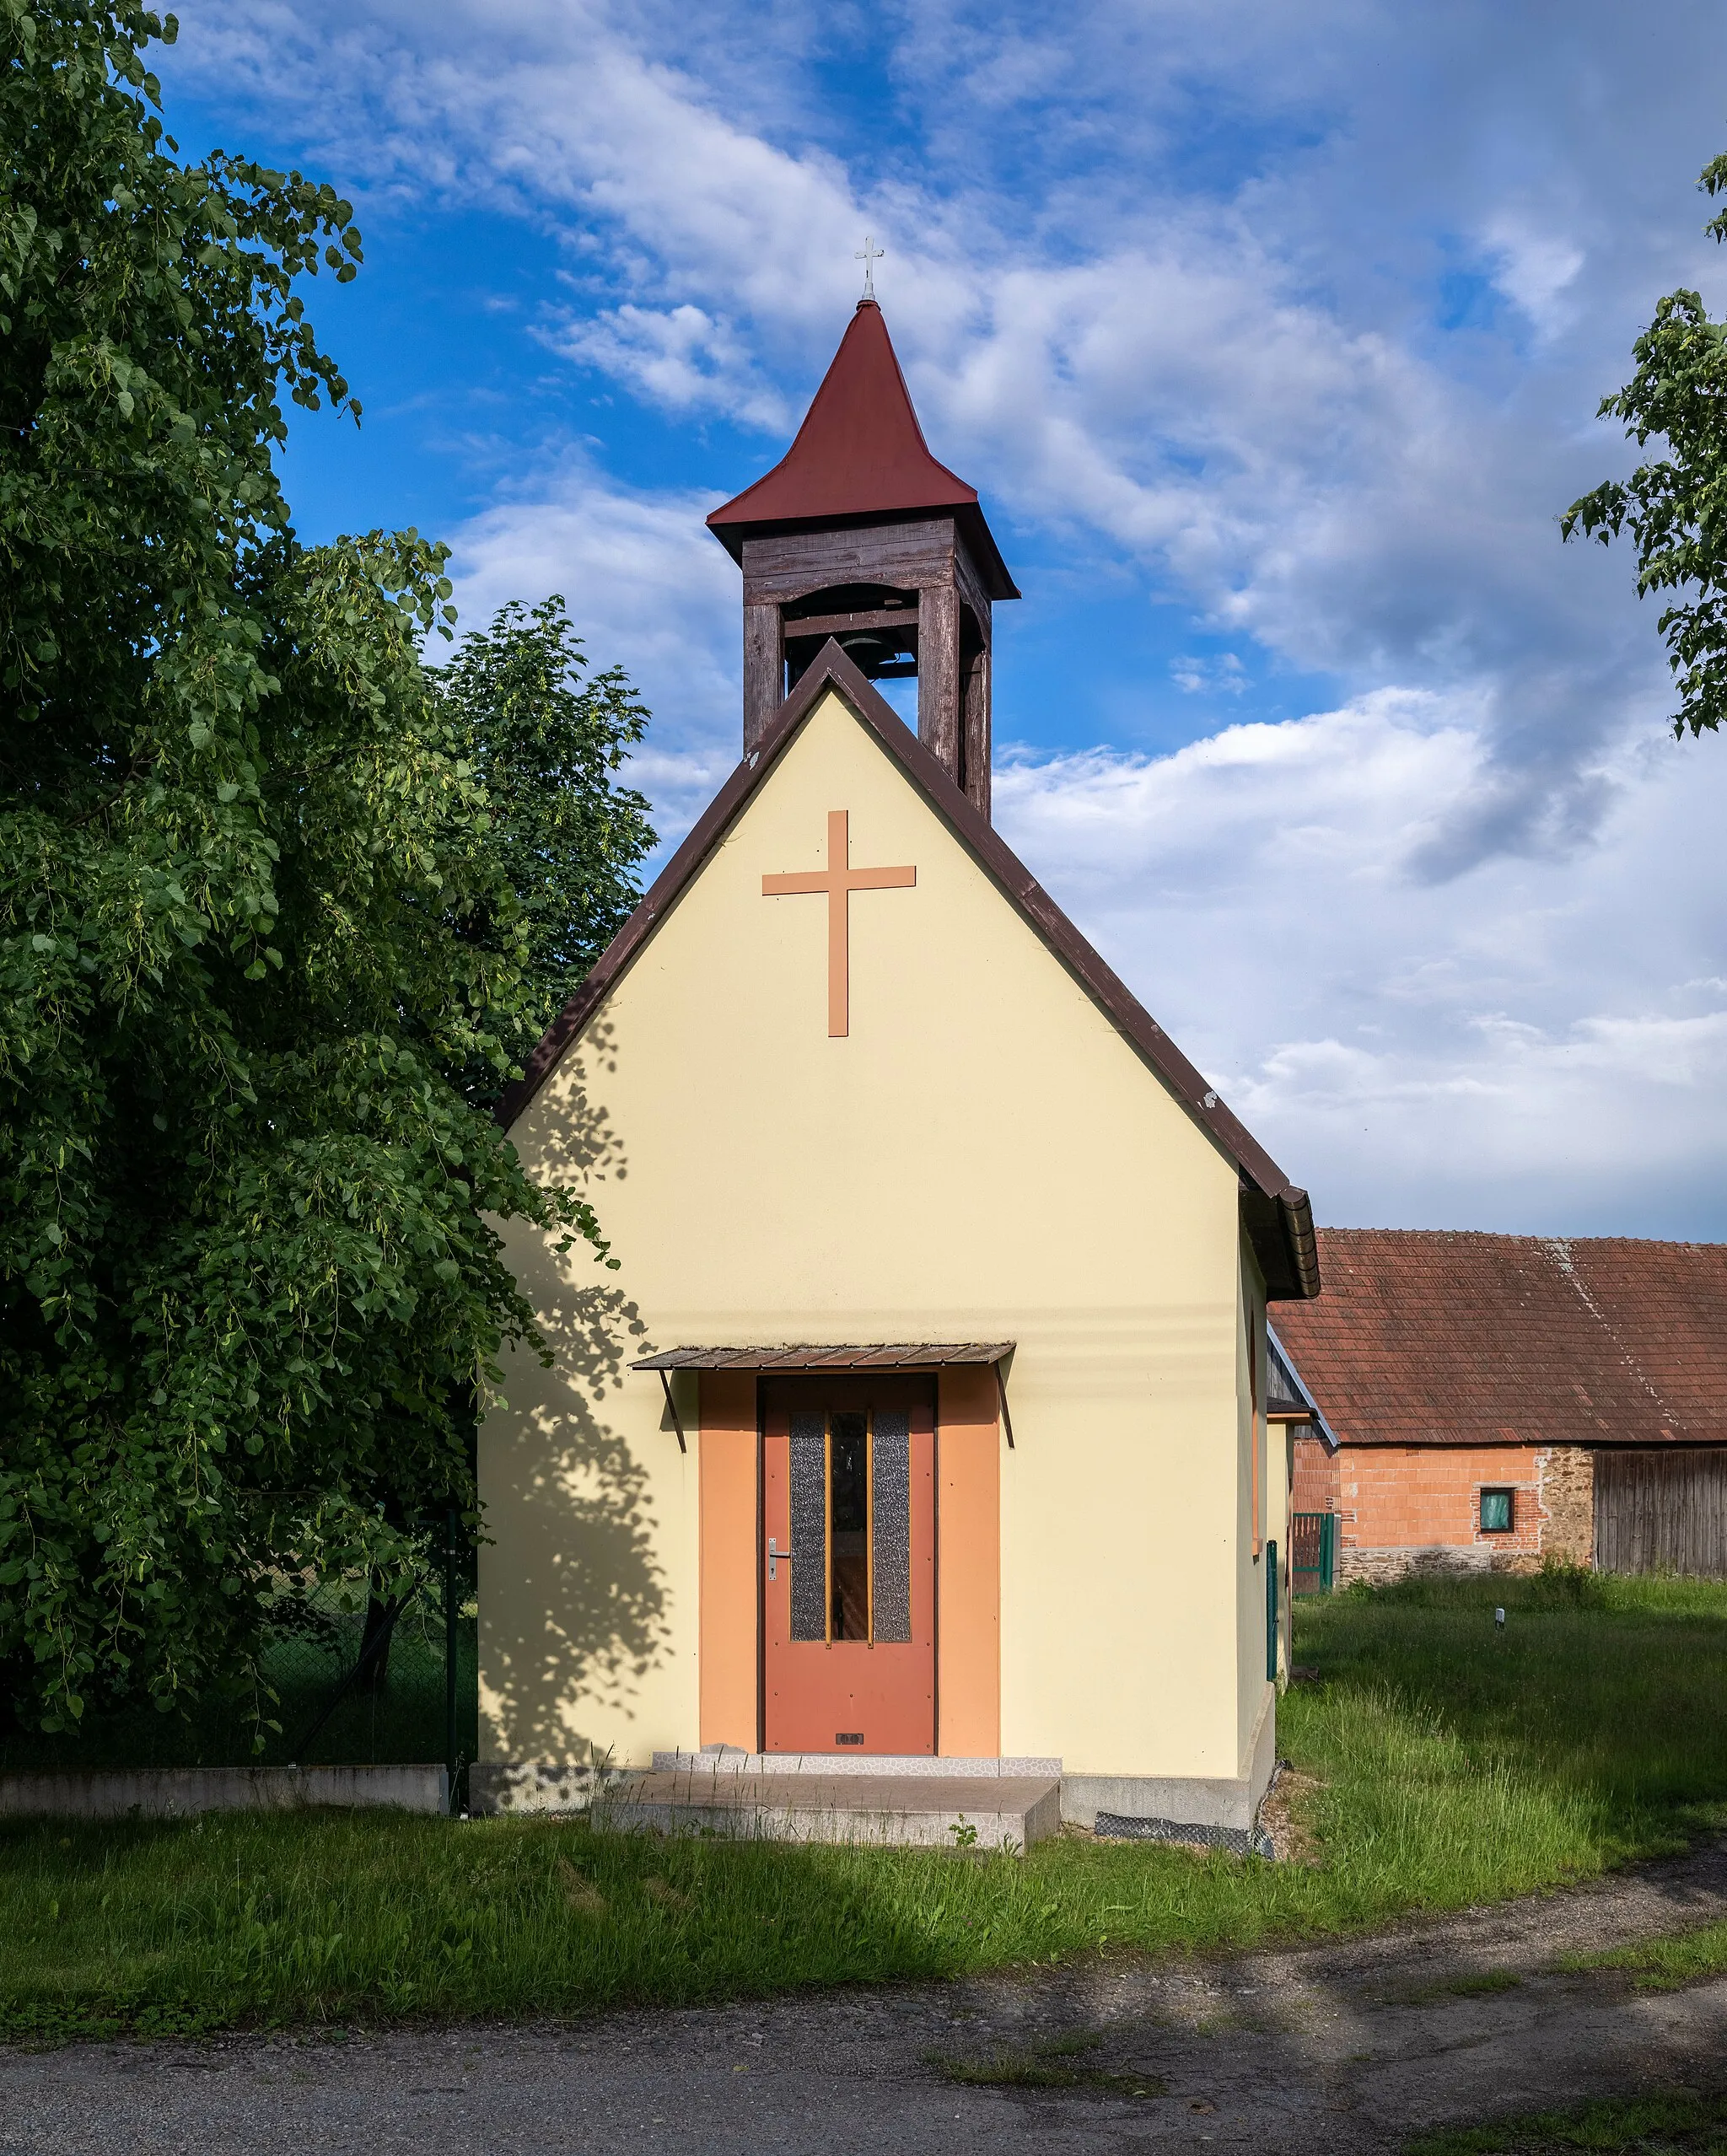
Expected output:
{"points": [[1498, 1511]]}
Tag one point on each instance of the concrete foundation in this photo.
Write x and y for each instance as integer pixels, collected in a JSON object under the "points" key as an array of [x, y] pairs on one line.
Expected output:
{"points": [[528, 1786], [913, 1800], [1158, 1807], [179, 1792], [725, 1759]]}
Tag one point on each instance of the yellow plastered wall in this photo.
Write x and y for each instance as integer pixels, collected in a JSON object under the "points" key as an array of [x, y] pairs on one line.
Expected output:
{"points": [[982, 1158], [1252, 1690]]}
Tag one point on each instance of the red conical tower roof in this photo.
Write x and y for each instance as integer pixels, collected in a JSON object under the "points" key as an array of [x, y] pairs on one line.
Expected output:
{"points": [[860, 455]]}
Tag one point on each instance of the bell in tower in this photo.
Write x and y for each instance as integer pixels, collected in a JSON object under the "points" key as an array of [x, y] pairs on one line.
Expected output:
{"points": [[858, 534]]}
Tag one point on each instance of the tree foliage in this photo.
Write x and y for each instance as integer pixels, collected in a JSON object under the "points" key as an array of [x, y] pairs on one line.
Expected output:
{"points": [[277, 915], [544, 744], [1675, 507]]}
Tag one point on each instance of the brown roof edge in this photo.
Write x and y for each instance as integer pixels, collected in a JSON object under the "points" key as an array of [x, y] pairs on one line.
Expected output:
{"points": [[1284, 1244]]}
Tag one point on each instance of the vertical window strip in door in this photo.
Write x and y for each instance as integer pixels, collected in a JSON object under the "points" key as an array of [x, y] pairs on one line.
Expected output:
{"points": [[891, 1526], [828, 1531], [809, 1479], [869, 1527]]}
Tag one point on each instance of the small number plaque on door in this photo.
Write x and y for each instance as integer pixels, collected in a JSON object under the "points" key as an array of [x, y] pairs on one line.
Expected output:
{"points": [[848, 1736]]}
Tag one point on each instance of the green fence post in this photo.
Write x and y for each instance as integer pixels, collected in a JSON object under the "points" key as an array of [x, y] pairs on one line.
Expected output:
{"points": [[1271, 1612], [452, 1763], [1328, 1550]]}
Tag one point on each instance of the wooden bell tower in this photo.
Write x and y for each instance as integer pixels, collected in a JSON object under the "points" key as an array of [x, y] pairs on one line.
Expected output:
{"points": [[858, 534]]}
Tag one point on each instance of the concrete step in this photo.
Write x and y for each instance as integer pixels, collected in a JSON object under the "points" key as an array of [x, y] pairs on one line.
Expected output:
{"points": [[730, 1759], [920, 1811]]}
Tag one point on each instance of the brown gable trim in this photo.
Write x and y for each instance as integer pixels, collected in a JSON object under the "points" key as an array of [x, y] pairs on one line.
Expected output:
{"points": [[1275, 1213]]}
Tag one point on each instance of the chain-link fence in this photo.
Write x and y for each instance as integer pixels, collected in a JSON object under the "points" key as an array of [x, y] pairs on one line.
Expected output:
{"points": [[356, 1681]]}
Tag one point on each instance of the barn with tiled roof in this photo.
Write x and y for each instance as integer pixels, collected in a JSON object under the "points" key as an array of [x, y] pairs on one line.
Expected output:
{"points": [[1496, 1400]]}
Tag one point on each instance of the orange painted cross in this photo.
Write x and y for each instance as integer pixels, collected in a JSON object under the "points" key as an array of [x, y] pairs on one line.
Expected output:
{"points": [[839, 879]]}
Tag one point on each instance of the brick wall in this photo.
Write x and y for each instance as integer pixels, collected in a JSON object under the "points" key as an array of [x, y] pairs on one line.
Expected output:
{"points": [[1429, 1498], [1407, 1508], [1314, 1488]]}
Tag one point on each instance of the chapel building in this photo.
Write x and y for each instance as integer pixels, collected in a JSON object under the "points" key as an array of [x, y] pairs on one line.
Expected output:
{"points": [[921, 1426]]}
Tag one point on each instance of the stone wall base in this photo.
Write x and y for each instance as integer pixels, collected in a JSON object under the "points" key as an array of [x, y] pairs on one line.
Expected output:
{"points": [[1568, 1474], [1159, 1805], [1438, 1560]]}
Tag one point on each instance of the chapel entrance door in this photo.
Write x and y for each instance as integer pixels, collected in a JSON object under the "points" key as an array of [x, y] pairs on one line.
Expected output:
{"points": [[848, 1530]]}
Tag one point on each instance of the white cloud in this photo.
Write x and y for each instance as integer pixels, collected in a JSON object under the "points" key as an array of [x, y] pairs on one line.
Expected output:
{"points": [[1196, 676], [679, 357], [1166, 280], [1533, 267], [649, 590], [1537, 1044], [1226, 386]]}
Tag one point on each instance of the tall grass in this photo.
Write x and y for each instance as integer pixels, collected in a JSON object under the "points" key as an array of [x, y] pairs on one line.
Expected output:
{"points": [[1594, 1713], [1457, 1763]]}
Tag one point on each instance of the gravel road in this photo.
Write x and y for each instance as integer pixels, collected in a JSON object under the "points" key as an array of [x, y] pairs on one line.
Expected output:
{"points": [[1333, 2049]]}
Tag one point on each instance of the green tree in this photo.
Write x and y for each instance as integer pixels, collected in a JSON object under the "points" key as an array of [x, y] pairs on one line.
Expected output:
{"points": [[261, 955], [544, 743], [1675, 507]]}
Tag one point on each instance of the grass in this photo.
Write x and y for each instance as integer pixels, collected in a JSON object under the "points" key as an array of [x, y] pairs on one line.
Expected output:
{"points": [[1457, 1764], [1588, 1731], [1478, 1983], [1679, 2120], [1664, 1964], [1060, 2063]]}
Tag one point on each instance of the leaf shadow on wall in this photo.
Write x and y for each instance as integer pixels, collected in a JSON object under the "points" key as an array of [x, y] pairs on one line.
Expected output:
{"points": [[577, 1560], [575, 1140]]}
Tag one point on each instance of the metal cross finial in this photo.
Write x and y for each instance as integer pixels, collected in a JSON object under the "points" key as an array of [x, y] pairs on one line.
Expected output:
{"points": [[868, 254]]}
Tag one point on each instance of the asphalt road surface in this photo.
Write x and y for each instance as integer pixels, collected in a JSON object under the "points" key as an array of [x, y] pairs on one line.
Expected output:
{"points": [[1337, 2048]]}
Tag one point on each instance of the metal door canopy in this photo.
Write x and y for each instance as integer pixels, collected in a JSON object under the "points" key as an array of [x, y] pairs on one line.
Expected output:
{"points": [[901, 1355]]}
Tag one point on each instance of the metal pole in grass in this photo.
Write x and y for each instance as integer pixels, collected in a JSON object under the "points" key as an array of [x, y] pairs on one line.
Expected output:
{"points": [[1271, 1612], [452, 1765]]}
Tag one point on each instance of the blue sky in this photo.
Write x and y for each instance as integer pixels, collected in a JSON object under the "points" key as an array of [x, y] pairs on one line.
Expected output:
{"points": [[1273, 337]]}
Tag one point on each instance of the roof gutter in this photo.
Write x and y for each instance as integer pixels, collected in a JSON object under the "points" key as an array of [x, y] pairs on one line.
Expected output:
{"points": [[1296, 1209]]}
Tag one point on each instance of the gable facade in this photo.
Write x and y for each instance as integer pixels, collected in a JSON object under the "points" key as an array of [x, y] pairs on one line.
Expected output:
{"points": [[986, 1153]]}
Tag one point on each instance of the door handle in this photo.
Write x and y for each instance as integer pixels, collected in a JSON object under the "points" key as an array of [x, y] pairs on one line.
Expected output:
{"points": [[776, 1558]]}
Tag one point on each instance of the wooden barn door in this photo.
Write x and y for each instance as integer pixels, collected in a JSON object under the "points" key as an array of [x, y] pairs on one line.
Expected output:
{"points": [[848, 1531], [1662, 1510]]}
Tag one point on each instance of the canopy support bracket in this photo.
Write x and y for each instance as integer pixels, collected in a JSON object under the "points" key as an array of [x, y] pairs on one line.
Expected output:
{"points": [[671, 1409]]}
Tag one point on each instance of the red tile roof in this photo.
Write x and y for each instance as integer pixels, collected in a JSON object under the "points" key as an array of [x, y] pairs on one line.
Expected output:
{"points": [[860, 454], [1428, 1337]]}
